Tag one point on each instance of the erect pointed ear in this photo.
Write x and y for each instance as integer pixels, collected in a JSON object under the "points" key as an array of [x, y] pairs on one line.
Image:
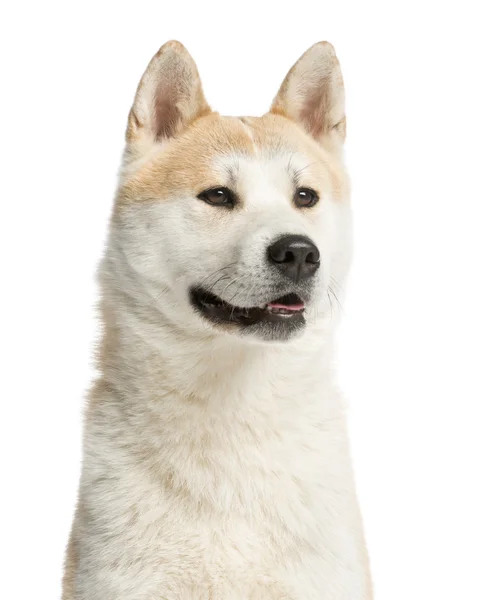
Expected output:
{"points": [[168, 98], [312, 94]]}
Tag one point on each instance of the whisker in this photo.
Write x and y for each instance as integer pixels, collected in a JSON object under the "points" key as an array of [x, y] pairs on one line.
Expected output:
{"points": [[230, 301], [216, 272], [231, 283], [335, 282], [330, 302], [249, 292], [329, 289], [203, 281], [297, 172], [222, 278]]}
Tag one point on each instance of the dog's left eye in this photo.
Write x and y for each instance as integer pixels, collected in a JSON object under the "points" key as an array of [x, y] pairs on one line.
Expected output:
{"points": [[305, 198], [221, 196]]}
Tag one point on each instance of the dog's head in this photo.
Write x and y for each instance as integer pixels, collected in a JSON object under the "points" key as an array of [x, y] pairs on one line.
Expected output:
{"points": [[239, 225]]}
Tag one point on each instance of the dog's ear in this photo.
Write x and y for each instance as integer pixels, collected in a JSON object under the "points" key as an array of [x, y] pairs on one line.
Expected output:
{"points": [[168, 98], [312, 94]]}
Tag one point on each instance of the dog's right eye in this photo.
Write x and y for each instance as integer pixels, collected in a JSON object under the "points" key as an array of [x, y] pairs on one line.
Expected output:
{"points": [[221, 196]]}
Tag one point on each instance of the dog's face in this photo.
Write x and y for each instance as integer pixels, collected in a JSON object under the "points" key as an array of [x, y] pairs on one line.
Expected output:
{"points": [[240, 225]]}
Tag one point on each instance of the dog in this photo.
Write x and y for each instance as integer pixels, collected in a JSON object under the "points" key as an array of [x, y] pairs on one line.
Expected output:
{"points": [[216, 462]]}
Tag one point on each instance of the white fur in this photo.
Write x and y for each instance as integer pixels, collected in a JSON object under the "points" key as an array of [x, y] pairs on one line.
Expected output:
{"points": [[216, 466]]}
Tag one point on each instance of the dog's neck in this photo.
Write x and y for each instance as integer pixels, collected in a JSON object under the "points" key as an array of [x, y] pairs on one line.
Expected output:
{"points": [[145, 355], [218, 397]]}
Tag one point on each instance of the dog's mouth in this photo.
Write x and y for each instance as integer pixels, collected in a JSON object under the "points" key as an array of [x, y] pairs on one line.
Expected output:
{"points": [[284, 310]]}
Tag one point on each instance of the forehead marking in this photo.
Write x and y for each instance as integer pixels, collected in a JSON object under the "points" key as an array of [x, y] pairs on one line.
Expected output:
{"points": [[249, 132]]}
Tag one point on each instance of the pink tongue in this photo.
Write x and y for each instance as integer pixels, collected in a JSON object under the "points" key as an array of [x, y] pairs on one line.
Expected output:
{"points": [[294, 307]]}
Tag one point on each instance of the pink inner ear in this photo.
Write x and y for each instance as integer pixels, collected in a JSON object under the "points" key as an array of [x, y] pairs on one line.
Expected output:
{"points": [[166, 114], [315, 110]]}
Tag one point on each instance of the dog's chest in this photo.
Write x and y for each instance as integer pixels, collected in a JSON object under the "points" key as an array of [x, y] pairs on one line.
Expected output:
{"points": [[252, 513], [253, 504]]}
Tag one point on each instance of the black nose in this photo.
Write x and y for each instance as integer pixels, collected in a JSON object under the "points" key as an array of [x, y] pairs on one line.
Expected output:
{"points": [[296, 256]]}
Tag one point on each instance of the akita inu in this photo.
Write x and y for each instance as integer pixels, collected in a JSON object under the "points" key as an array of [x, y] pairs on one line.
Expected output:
{"points": [[216, 462]]}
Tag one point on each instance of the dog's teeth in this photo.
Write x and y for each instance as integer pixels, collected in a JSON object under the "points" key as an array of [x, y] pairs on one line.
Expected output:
{"points": [[281, 311]]}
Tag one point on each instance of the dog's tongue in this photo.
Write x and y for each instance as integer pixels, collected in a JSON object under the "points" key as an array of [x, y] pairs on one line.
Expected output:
{"points": [[294, 306]]}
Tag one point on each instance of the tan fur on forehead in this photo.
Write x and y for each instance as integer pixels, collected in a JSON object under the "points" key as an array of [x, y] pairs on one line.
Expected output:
{"points": [[185, 165]]}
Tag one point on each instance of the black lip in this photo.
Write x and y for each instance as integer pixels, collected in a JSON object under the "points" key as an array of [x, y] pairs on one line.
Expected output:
{"points": [[220, 312]]}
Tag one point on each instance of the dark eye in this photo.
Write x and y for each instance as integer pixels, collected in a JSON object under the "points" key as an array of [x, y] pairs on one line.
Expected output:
{"points": [[221, 196], [305, 198]]}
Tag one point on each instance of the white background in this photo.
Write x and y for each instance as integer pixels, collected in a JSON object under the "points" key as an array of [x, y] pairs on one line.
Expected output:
{"points": [[411, 343]]}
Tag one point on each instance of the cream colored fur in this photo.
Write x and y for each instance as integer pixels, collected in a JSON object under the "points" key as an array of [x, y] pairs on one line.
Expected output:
{"points": [[216, 466]]}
